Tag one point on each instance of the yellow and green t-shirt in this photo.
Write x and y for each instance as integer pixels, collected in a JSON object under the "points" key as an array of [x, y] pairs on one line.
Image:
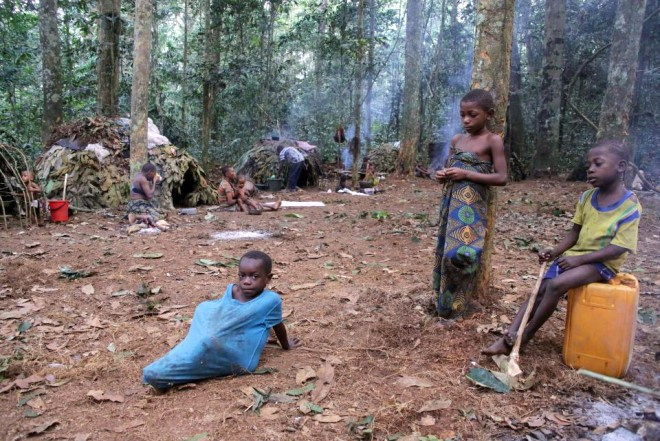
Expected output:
{"points": [[614, 224]]}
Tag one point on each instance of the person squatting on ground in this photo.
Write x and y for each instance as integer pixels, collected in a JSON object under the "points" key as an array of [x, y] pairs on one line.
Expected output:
{"points": [[143, 189], [227, 335], [476, 161], [296, 160], [247, 193], [228, 197], [604, 229]]}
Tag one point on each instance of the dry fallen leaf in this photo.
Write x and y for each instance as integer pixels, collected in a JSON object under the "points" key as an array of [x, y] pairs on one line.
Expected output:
{"points": [[24, 383], [94, 322], [38, 430], [304, 374], [269, 413], [327, 418], [406, 381], [87, 289], [432, 405], [99, 395], [427, 420], [305, 286], [125, 427], [82, 436]]}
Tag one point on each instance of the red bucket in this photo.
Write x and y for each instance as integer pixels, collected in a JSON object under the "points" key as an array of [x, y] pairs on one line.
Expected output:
{"points": [[59, 211]]}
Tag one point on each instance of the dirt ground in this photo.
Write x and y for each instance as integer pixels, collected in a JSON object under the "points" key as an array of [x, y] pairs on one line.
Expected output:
{"points": [[355, 280]]}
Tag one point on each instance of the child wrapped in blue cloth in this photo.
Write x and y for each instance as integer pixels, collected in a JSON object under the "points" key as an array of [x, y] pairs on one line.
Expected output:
{"points": [[227, 335]]}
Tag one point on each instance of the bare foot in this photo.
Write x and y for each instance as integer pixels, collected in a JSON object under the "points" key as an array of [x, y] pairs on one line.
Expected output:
{"points": [[131, 218], [500, 347], [278, 204]]}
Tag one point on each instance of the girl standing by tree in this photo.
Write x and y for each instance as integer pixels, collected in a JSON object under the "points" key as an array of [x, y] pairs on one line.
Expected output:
{"points": [[476, 161]]}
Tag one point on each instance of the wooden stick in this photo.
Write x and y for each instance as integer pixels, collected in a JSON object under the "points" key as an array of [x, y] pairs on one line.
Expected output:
{"points": [[66, 177], [513, 357], [612, 380]]}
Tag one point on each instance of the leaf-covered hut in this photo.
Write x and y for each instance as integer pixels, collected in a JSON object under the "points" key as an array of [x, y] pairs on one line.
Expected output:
{"points": [[261, 162], [94, 154]]}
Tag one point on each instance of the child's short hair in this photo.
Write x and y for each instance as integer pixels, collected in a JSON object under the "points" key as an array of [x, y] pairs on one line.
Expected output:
{"points": [[616, 147], [481, 97], [265, 259], [225, 169], [241, 177], [148, 167]]}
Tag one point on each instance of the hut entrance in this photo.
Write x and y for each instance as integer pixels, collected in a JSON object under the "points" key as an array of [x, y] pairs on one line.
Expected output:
{"points": [[186, 187]]}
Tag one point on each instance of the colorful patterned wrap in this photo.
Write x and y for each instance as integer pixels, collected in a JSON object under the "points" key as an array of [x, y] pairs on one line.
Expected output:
{"points": [[461, 236], [142, 206]]}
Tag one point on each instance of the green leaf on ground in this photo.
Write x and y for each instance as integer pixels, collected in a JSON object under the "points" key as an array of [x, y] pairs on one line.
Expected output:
{"points": [[301, 390], [24, 326], [647, 315], [485, 378], [294, 215], [71, 274], [380, 215]]}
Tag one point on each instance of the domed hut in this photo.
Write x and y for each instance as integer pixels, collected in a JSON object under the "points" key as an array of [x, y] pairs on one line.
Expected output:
{"points": [[94, 153], [262, 162]]}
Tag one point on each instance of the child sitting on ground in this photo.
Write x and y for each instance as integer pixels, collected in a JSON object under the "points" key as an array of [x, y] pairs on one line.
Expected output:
{"points": [[227, 335], [247, 191], [604, 230]]}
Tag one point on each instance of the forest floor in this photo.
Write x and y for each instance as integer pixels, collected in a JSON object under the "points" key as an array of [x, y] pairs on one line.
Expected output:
{"points": [[354, 277]]}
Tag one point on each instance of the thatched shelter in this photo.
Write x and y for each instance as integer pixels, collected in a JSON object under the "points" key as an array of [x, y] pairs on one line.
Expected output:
{"points": [[384, 157], [261, 162], [94, 151], [14, 195]]}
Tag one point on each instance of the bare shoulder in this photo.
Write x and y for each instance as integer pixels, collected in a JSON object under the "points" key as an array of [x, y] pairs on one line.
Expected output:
{"points": [[456, 139], [494, 140]]}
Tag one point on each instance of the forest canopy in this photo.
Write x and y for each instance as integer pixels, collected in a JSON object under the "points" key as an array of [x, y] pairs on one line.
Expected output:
{"points": [[265, 67]]}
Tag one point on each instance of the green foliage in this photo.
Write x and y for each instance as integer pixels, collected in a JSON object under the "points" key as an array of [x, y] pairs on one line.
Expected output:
{"points": [[302, 78]]}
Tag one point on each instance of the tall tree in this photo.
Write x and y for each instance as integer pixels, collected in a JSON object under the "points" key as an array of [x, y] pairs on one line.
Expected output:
{"points": [[368, 100], [51, 69], [184, 75], [211, 66], [548, 118], [357, 104], [405, 163], [140, 86], [617, 103], [107, 62], [318, 69], [490, 71]]}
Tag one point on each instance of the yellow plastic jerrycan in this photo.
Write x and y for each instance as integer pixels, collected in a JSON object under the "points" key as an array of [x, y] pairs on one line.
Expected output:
{"points": [[600, 325]]}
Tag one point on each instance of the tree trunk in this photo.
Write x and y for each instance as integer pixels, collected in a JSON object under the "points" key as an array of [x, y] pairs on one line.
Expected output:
{"points": [[547, 131], [184, 76], [405, 163], [491, 69], [107, 63], [433, 100], [51, 70], [357, 104], [318, 71], [368, 102], [140, 86], [617, 103], [515, 137], [211, 65]]}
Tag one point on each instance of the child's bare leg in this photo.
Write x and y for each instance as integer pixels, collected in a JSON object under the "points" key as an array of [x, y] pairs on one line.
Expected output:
{"points": [[241, 205], [254, 205], [550, 293], [273, 205], [582, 275]]}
